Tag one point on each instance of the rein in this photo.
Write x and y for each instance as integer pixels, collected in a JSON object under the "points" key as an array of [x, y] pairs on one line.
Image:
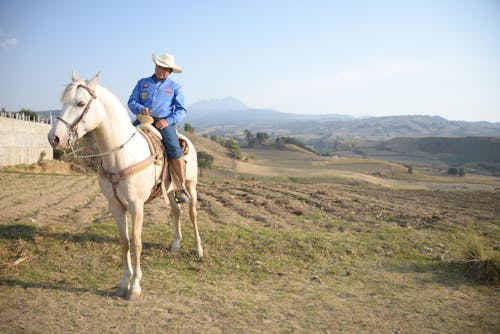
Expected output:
{"points": [[73, 131], [88, 156], [113, 177]]}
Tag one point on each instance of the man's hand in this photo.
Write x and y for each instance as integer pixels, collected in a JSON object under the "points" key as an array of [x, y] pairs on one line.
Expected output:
{"points": [[161, 124], [145, 111]]}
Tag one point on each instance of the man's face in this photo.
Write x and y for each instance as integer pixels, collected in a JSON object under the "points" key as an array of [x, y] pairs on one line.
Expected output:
{"points": [[162, 73]]}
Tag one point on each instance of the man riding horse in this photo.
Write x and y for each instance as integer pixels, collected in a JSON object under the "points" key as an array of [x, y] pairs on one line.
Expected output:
{"points": [[160, 97]]}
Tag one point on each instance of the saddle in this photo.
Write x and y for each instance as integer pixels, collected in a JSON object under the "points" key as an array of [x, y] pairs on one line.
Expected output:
{"points": [[154, 139], [152, 134]]}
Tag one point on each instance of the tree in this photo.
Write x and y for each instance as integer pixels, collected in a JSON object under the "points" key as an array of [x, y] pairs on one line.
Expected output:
{"points": [[336, 144], [188, 128], [280, 142], [262, 137], [234, 148], [205, 160], [250, 138], [248, 134], [28, 113], [453, 171]]}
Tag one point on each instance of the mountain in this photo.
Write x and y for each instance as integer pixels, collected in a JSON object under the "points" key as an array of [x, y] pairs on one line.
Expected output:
{"points": [[232, 112], [404, 126], [230, 116], [227, 103]]}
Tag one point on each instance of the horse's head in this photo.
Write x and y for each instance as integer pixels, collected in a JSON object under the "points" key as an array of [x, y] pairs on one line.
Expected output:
{"points": [[80, 112]]}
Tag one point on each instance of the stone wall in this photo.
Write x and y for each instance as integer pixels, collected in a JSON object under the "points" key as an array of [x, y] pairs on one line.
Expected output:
{"points": [[22, 142]]}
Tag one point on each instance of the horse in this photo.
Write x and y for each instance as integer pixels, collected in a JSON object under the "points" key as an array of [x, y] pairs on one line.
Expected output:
{"points": [[130, 174]]}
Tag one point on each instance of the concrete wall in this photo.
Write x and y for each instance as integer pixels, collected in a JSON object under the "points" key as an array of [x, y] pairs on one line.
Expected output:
{"points": [[22, 142]]}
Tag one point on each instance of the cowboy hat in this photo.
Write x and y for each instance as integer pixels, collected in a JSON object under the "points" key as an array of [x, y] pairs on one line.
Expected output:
{"points": [[168, 61]]}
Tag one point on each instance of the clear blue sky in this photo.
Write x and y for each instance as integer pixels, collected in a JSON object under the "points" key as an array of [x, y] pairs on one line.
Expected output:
{"points": [[437, 57]]}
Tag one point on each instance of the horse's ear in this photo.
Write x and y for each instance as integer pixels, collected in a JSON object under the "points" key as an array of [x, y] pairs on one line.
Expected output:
{"points": [[94, 81], [74, 76]]}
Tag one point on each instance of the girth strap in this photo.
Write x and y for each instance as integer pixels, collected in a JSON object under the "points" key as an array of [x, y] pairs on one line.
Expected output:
{"points": [[114, 178], [127, 172]]}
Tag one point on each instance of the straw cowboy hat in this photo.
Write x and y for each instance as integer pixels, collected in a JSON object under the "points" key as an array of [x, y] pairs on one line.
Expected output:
{"points": [[167, 60]]}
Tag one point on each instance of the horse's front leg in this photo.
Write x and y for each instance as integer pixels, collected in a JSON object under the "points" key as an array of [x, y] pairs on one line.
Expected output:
{"points": [[120, 215], [137, 215]]}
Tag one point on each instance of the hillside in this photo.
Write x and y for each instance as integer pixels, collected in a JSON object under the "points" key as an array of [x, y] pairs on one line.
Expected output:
{"points": [[463, 150], [476, 154], [231, 117], [294, 162]]}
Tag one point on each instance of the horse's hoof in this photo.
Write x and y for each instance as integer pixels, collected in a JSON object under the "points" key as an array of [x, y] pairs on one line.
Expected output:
{"points": [[122, 292], [199, 252], [176, 245], [133, 294]]}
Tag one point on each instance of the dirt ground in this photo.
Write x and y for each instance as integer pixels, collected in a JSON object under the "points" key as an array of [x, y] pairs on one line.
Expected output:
{"points": [[281, 257]]}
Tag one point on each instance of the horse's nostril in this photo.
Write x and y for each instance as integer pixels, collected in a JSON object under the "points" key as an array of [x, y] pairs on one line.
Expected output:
{"points": [[56, 140]]}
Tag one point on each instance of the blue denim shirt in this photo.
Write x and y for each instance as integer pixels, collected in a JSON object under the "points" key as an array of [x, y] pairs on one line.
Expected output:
{"points": [[163, 98]]}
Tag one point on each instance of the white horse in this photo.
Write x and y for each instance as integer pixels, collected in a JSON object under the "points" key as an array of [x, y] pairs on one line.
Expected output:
{"points": [[130, 173]]}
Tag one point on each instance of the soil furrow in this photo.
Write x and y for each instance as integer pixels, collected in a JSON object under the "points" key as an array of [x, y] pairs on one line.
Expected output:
{"points": [[34, 203]]}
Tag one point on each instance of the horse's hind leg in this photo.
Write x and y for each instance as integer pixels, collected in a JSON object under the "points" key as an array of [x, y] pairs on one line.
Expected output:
{"points": [[120, 216], [193, 215], [176, 210]]}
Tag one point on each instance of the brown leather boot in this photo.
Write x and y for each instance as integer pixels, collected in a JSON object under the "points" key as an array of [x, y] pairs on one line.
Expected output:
{"points": [[178, 173]]}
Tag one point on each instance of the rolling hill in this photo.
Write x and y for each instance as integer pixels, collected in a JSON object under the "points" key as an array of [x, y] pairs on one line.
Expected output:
{"points": [[229, 116]]}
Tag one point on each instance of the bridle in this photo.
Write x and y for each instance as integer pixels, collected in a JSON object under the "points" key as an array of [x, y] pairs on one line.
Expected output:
{"points": [[73, 132]]}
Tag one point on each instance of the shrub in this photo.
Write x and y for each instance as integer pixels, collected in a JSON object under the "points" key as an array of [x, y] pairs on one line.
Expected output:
{"points": [[28, 114], [205, 160], [282, 141], [453, 171], [456, 171], [234, 148], [188, 128], [42, 156], [484, 265]]}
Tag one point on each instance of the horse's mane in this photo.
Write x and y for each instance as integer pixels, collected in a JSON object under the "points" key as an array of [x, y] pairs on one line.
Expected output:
{"points": [[70, 91], [107, 97]]}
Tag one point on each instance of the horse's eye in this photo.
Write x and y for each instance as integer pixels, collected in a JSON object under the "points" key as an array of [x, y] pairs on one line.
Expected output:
{"points": [[80, 104]]}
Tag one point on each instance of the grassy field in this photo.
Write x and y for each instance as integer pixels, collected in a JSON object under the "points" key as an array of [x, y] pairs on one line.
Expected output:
{"points": [[301, 248]]}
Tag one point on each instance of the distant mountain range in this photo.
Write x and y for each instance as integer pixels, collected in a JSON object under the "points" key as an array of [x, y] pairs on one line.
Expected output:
{"points": [[232, 112], [229, 116]]}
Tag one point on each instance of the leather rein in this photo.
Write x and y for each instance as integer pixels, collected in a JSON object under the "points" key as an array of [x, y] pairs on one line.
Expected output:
{"points": [[112, 177]]}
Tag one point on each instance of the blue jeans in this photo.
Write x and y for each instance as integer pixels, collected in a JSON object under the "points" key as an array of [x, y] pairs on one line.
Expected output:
{"points": [[171, 142]]}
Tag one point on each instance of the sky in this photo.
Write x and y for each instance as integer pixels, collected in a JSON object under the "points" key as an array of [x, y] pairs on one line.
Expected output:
{"points": [[359, 57]]}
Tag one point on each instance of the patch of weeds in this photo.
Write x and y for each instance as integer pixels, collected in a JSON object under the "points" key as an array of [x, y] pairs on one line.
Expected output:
{"points": [[212, 212], [482, 264], [103, 228]]}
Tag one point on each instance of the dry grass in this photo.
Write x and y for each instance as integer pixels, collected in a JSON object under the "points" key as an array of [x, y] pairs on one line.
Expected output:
{"points": [[284, 254], [482, 263]]}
